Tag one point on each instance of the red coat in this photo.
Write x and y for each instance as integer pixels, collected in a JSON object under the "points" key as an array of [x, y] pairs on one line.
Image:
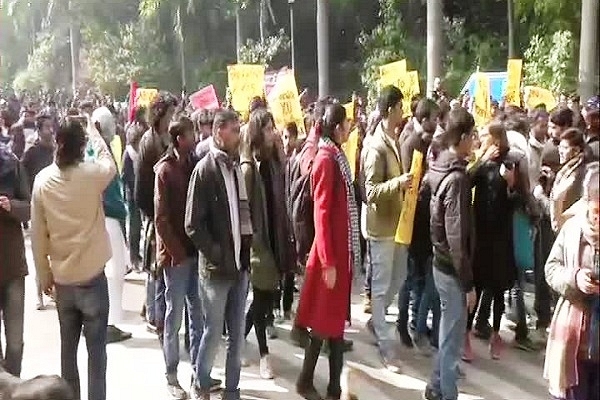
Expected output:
{"points": [[323, 310]]}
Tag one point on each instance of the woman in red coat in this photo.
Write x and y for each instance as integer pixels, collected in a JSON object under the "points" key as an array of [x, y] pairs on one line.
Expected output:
{"points": [[325, 299]]}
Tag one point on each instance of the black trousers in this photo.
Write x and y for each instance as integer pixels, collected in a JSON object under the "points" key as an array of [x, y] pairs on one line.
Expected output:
{"points": [[262, 305], [336, 364]]}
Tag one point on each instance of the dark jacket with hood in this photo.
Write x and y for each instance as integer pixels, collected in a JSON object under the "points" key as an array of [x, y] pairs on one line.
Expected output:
{"points": [[451, 227], [15, 186]]}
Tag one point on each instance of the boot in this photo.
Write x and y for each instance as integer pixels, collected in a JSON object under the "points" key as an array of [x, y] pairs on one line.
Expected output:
{"points": [[305, 384], [336, 363], [496, 344]]}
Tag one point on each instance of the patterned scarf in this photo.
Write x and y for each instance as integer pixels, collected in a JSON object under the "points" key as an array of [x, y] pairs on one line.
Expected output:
{"points": [[353, 222]]}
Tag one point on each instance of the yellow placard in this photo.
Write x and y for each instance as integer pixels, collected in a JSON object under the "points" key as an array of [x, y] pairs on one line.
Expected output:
{"points": [[513, 82], [410, 88], [404, 231], [117, 150], [482, 110], [284, 101], [144, 97], [534, 96], [392, 74], [245, 81], [349, 110], [350, 149]]}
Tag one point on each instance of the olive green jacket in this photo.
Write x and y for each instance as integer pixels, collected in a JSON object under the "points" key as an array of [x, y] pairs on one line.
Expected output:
{"points": [[382, 167]]}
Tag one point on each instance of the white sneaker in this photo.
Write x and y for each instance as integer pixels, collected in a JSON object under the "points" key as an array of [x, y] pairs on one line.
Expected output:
{"points": [[266, 372]]}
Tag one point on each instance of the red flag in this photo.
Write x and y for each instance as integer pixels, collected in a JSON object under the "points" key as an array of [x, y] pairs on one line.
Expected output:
{"points": [[132, 106], [205, 98]]}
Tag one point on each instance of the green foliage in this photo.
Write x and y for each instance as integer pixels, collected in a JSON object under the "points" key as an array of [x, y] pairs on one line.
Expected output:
{"points": [[257, 52], [134, 54], [550, 62]]}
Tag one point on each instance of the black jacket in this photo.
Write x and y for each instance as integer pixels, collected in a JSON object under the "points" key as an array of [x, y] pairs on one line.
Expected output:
{"points": [[152, 147], [451, 227], [208, 224]]}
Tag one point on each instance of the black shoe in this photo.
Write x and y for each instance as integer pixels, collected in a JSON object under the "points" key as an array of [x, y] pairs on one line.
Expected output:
{"points": [[176, 391], [429, 394], [348, 345], [215, 384], [114, 334], [308, 393]]}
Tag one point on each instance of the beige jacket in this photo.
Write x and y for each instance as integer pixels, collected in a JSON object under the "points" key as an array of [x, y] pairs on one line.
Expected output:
{"points": [[69, 239]]}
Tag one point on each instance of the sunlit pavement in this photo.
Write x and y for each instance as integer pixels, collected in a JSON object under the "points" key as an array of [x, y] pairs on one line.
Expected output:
{"points": [[136, 366]]}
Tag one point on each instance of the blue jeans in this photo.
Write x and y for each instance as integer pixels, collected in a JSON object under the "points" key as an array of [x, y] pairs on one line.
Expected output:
{"points": [[181, 286], [84, 306], [223, 301], [453, 322], [410, 295], [388, 261], [134, 231], [430, 300], [155, 300]]}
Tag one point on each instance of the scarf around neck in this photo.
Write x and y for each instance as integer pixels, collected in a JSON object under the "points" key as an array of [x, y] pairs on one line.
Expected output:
{"points": [[353, 233], [233, 165]]}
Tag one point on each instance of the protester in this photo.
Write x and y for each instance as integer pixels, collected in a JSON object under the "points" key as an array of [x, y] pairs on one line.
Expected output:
{"points": [[325, 297], [451, 235], [70, 261], [573, 270], [14, 210], [561, 119], [128, 176], [217, 220]]}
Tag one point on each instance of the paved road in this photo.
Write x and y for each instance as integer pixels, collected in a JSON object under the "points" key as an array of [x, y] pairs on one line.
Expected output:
{"points": [[136, 367]]}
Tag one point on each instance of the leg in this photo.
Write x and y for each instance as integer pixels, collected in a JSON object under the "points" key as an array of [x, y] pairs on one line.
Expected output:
{"points": [[259, 312], [195, 314], [13, 312], [160, 307], [135, 230], [336, 364], [70, 320], [249, 318], [543, 296], [311, 356], [234, 316], [404, 297], [399, 271], [288, 293], [115, 271], [176, 285], [483, 314], [369, 271], [382, 258], [452, 329], [498, 299], [214, 298], [94, 304], [150, 294]]}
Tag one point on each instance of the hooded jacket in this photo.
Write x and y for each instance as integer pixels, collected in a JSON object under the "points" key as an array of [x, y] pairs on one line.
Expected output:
{"points": [[451, 226], [14, 185]]}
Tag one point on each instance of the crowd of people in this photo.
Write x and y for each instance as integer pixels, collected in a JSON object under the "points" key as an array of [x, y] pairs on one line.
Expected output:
{"points": [[213, 208]]}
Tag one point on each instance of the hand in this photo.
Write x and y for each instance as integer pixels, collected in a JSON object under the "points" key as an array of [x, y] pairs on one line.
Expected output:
{"points": [[509, 176], [585, 283], [405, 180], [329, 276], [5, 203], [471, 300], [491, 153]]}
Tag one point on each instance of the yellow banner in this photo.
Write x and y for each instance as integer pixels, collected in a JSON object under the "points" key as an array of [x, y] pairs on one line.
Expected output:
{"points": [[513, 82], [284, 101], [350, 148], [392, 74], [349, 110], [482, 110], [404, 230], [533, 96], [245, 81], [410, 88], [144, 97], [117, 149]]}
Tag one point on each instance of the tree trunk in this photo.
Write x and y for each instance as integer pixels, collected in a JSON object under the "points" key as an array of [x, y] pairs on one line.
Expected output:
{"points": [[262, 20], [588, 50], [75, 42], [323, 46], [434, 43], [512, 47]]}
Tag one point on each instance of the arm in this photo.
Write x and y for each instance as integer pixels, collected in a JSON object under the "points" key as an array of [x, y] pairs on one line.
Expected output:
{"points": [[104, 163], [377, 189], [456, 222], [559, 277], [162, 219], [323, 179], [40, 241], [20, 205], [406, 154], [197, 216]]}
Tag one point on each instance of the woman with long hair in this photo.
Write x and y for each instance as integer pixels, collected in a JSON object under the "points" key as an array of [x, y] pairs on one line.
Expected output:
{"points": [[270, 257], [325, 299], [572, 270]]}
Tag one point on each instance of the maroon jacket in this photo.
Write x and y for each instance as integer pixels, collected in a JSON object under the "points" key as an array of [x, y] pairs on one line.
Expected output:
{"points": [[173, 246]]}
